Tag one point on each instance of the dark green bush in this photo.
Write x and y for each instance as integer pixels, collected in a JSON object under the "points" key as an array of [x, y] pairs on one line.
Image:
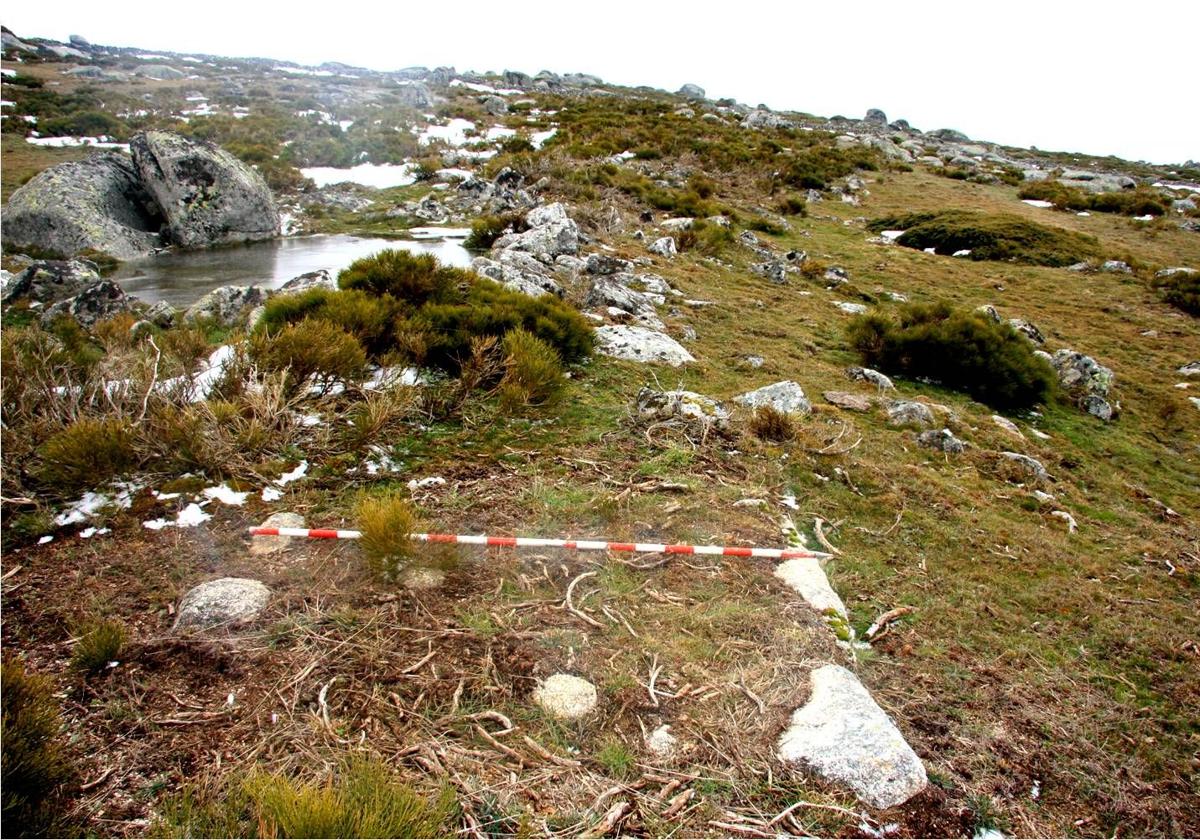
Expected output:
{"points": [[1181, 290], [533, 373], [396, 302], [705, 237], [962, 350], [988, 236], [34, 763], [792, 205], [409, 278], [1138, 202], [487, 229]]}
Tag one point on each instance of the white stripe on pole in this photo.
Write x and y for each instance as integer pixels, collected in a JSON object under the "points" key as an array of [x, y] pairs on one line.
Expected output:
{"points": [[542, 542]]}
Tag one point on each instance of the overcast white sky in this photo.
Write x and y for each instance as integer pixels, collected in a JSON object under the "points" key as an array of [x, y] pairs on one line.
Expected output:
{"points": [[1096, 77]]}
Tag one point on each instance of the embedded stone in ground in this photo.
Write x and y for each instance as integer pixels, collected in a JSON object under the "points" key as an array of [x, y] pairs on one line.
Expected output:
{"points": [[638, 344], [223, 602], [422, 577], [848, 401], [843, 735], [661, 742], [786, 397], [271, 545], [805, 575], [566, 696]]}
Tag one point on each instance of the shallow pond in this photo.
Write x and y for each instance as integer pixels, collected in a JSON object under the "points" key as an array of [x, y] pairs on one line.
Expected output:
{"points": [[181, 278]]}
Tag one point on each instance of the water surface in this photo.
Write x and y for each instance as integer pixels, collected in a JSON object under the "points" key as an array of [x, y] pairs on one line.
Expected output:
{"points": [[181, 278]]}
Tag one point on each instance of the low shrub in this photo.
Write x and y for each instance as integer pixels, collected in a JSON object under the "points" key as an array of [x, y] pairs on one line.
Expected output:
{"points": [[311, 349], [365, 316], [410, 278], [487, 229], [386, 520], [1181, 290], [1000, 237], [792, 205], [533, 372], [769, 423], [86, 453], [1138, 202], [100, 642], [962, 350], [34, 764], [705, 237]]}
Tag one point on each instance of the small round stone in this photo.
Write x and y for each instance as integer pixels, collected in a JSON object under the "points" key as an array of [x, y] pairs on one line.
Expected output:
{"points": [[566, 696], [420, 577], [222, 602]]}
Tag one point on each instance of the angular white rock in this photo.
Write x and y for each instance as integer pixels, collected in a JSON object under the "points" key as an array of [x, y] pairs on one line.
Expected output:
{"points": [[843, 735], [786, 397], [639, 344], [805, 575]]}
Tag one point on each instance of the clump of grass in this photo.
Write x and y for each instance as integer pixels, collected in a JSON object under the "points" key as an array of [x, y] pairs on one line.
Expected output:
{"points": [[35, 765], [311, 349], [792, 205], [962, 350], [988, 236], [533, 372], [364, 800], [769, 423], [86, 453], [705, 237], [386, 520], [100, 642], [487, 229], [616, 758], [813, 269]]}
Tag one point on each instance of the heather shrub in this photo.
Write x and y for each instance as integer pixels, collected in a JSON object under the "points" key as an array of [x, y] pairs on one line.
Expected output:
{"points": [[533, 373], [792, 205], [771, 424], [1181, 290], [86, 453], [386, 520], [311, 349], [487, 229], [962, 350], [705, 237], [410, 278]]}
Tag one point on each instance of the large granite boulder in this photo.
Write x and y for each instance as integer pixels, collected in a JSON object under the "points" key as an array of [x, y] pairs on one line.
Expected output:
{"points": [[48, 281], [205, 194], [96, 303], [94, 204]]}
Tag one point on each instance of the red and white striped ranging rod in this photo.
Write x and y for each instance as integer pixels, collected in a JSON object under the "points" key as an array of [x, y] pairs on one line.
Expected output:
{"points": [[538, 542]]}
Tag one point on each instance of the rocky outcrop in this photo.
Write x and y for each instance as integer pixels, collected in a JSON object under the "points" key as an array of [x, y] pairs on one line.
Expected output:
{"points": [[909, 413], [551, 232], [1087, 380], [319, 279], [98, 302], [203, 192], [225, 304], [686, 406], [47, 281], [94, 204], [691, 91]]}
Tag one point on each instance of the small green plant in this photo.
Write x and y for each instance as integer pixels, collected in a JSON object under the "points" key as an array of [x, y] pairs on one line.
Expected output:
{"points": [[35, 766], [533, 373], [86, 453], [962, 350], [100, 642], [792, 205], [386, 520], [617, 759], [487, 229], [769, 423], [1181, 290], [311, 349], [705, 237]]}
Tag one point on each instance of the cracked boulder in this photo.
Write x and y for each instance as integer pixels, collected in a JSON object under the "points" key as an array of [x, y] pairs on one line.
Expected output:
{"points": [[843, 735]]}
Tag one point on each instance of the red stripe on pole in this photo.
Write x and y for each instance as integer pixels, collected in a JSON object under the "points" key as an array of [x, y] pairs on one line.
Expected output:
{"points": [[505, 541], [323, 534], [571, 544], [265, 532], [441, 538], [737, 551], [679, 549], [621, 547]]}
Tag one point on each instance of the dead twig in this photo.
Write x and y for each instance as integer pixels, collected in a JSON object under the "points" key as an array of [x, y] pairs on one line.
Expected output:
{"points": [[547, 755], [569, 605], [508, 751], [655, 670], [819, 531], [800, 803], [677, 803], [416, 666], [615, 814], [884, 620]]}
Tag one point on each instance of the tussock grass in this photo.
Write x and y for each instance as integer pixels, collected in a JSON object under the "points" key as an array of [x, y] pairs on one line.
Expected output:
{"points": [[86, 453], [35, 765], [312, 349], [364, 800], [100, 642], [533, 373], [771, 424]]}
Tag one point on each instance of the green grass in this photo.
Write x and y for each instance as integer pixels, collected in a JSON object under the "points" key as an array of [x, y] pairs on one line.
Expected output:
{"points": [[99, 643]]}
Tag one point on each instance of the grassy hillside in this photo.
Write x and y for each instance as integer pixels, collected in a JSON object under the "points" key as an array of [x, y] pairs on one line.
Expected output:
{"points": [[1047, 677]]}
